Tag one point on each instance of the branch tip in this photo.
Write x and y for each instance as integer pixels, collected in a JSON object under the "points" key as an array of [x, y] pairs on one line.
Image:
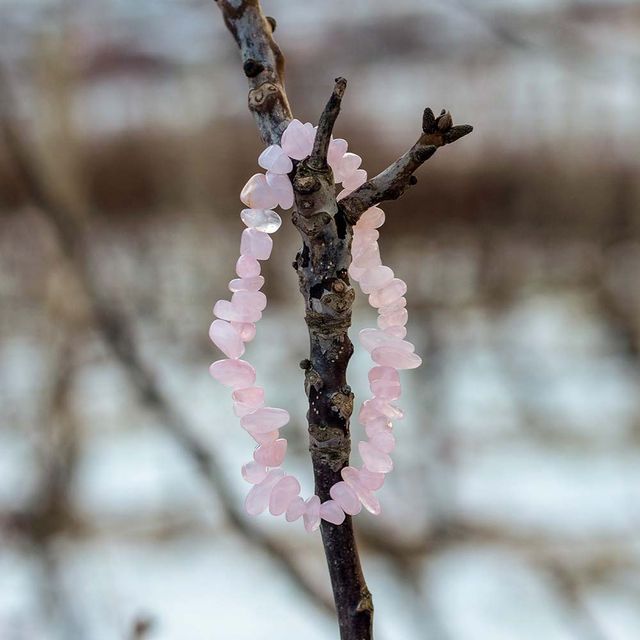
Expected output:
{"points": [[318, 158], [437, 131]]}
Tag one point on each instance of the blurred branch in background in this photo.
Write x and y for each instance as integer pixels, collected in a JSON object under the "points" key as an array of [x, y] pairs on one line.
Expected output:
{"points": [[70, 229]]}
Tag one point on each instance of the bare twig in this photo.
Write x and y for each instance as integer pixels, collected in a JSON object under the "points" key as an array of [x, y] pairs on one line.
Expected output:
{"points": [[398, 177], [318, 158]]}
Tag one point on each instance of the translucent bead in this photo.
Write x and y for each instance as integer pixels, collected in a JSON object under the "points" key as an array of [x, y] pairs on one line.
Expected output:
{"points": [[264, 220]]}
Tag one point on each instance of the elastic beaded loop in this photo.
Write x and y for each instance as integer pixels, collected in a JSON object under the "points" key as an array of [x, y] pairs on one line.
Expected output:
{"points": [[235, 325]]}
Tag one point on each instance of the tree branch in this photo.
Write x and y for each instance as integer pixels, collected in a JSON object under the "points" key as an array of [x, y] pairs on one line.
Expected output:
{"points": [[263, 64], [398, 177], [318, 158]]}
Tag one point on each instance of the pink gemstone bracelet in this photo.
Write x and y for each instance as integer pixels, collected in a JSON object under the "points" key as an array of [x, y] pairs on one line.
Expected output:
{"points": [[273, 489]]}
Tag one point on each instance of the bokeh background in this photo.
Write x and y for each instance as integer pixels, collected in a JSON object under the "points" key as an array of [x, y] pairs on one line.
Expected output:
{"points": [[514, 509]]}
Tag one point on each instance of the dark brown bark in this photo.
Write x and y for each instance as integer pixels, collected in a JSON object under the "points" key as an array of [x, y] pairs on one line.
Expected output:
{"points": [[322, 266]]}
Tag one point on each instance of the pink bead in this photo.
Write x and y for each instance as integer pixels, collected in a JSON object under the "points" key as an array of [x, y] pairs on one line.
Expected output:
{"points": [[264, 220], [274, 159], [250, 396], [370, 480], [295, 509], [397, 331], [253, 472], [283, 494], [247, 400], [256, 243], [257, 194], [398, 304], [247, 267], [372, 218], [374, 459], [375, 278], [250, 299], [331, 512], [352, 477], [246, 284], [226, 338], [379, 425], [386, 389], [297, 140], [246, 330], [271, 454], [355, 180], [346, 497], [236, 312], [396, 358], [363, 239], [396, 319], [337, 149], [355, 272], [311, 515], [282, 188], [368, 257], [372, 338], [233, 373], [375, 408], [346, 166], [266, 438], [388, 294], [384, 373], [264, 419], [384, 441], [388, 410], [258, 497]]}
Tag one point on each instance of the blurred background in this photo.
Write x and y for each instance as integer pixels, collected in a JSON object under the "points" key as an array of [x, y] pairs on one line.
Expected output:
{"points": [[514, 509]]}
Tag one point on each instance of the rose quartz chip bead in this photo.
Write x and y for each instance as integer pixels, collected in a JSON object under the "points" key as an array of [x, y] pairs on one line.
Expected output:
{"points": [[247, 267], [258, 497], [375, 277], [236, 311], [246, 284], [258, 194], [247, 330], [396, 358], [282, 189], [311, 515], [346, 166], [263, 220], [295, 509], [374, 459], [271, 454], [233, 373], [253, 472], [331, 512], [337, 149], [274, 159], [297, 139], [351, 476], [226, 338], [264, 419], [283, 494], [371, 219], [346, 497], [388, 294], [256, 244]]}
